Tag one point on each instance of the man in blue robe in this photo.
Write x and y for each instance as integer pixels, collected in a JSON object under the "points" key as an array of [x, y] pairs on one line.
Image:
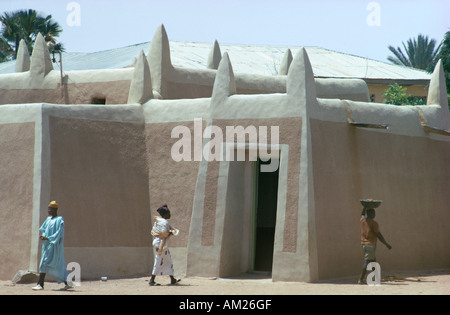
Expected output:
{"points": [[52, 260]]}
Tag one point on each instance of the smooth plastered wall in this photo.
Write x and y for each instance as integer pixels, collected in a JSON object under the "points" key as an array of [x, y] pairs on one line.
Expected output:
{"points": [[99, 176], [405, 172], [171, 182], [16, 196]]}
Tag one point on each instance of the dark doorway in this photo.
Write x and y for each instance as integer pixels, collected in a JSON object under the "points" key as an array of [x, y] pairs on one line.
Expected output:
{"points": [[98, 101], [265, 217]]}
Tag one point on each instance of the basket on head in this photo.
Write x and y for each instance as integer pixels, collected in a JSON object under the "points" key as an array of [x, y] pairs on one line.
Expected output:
{"points": [[370, 203]]}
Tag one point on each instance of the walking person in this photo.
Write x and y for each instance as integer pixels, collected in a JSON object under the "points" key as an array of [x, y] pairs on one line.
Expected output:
{"points": [[52, 260], [161, 233], [370, 233]]}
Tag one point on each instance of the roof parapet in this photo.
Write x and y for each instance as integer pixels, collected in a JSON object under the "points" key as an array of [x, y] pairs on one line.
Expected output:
{"points": [[437, 92], [214, 56], [285, 63], [300, 82], [224, 84], [23, 58], [41, 63], [428, 128], [141, 83], [159, 61]]}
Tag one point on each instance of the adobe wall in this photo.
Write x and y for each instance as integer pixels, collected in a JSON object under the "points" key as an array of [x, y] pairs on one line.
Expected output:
{"points": [[99, 175], [16, 195], [173, 182], [187, 84], [79, 87], [406, 165], [92, 160], [170, 182], [411, 176]]}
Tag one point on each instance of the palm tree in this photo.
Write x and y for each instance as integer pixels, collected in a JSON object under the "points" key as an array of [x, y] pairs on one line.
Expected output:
{"points": [[444, 55], [5, 50], [420, 53], [26, 24], [49, 29]]}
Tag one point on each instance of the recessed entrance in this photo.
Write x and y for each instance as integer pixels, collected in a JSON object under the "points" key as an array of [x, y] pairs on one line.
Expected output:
{"points": [[98, 101], [265, 214]]}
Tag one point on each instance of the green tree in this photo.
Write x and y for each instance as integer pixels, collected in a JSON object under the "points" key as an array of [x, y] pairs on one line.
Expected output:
{"points": [[396, 94], [25, 24], [5, 50], [420, 53], [444, 55]]}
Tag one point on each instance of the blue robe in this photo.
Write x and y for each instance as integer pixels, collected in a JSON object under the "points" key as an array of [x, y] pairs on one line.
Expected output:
{"points": [[52, 260]]}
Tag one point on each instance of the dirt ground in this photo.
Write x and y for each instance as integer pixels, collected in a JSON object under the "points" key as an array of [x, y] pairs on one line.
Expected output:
{"points": [[436, 282]]}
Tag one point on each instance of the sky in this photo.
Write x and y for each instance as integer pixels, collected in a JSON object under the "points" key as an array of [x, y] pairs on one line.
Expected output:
{"points": [[359, 27]]}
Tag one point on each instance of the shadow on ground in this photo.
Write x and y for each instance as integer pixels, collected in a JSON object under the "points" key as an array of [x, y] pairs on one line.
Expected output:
{"points": [[393, 277]]}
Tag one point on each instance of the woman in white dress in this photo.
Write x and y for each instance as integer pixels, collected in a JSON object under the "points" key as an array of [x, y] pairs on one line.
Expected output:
{"points": [[161, 233]]}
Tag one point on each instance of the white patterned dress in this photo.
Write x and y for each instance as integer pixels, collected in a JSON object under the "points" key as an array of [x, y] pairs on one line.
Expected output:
{"points": [[163, 263]]}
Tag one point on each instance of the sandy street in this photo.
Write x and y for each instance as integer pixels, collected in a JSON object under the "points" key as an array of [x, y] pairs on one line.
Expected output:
{"points": [[436, 282]]}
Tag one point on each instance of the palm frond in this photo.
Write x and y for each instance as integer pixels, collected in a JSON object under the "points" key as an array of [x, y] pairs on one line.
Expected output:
{"points": [[26, 25], [399, 58], [420, 53]]}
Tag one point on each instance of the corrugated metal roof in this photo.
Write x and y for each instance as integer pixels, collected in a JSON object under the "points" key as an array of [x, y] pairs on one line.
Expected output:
{"points": [[264, 60]]}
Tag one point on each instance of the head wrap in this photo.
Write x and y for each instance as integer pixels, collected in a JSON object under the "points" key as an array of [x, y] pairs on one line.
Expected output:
{"points": [[53, 204], [163, 210]]}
